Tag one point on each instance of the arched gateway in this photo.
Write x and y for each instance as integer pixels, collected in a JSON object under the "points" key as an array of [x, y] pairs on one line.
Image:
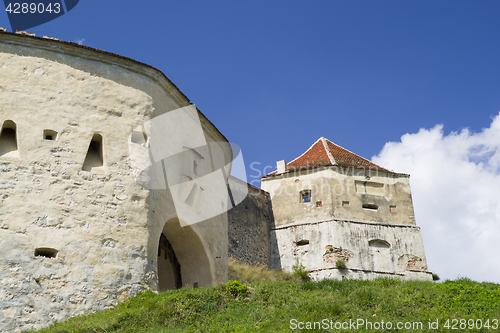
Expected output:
{"points": [[182, 258]]}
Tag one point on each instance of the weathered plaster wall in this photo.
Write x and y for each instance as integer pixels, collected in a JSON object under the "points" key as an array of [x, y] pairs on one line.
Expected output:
{"points": [[105, 226], [339, 274], [318, 246], [95, 220], [249, 224], [334, 186], [364, 217]]}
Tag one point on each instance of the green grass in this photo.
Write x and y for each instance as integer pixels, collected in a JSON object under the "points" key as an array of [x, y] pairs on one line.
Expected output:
{"points": [[268, 306]]}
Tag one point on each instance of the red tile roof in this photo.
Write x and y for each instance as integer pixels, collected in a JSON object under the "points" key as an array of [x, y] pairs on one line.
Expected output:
{"points": [[326, 153]]}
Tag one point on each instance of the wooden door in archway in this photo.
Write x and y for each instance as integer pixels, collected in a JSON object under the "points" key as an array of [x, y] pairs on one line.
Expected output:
{"points": [[169, 269]]}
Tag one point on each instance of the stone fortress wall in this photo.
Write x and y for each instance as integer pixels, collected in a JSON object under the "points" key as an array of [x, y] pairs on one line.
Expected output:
{"points": [[77, 233], [364, 217], [249, 225]]}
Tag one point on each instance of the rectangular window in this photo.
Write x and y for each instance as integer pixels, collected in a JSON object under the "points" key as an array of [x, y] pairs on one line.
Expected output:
{"points": [[49, 135], [393, 209], [305, 196], [345, 203]]}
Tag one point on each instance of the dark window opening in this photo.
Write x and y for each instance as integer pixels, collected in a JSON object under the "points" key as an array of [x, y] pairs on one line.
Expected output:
{"points": [[94, 145], [305, 196], [49, 135], [319, 204], [195, 167], [94, 158], [46, 252], [345, 203], [302, 242], [370, 206], [8, 131], [8, 138]]}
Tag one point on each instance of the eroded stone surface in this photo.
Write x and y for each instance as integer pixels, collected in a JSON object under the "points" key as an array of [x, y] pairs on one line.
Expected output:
{"points": [[333, 254], [249, 224]]}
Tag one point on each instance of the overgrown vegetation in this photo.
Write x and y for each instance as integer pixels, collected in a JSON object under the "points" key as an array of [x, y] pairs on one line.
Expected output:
{"points": [[272, 299], [300, 271], [236, 288], [250, 273], [340, 263]]}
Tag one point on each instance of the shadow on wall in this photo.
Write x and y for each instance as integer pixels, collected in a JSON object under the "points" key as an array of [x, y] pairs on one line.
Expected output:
{"points": [[274, 260], [182, 258], [8, 139], [94, 160]]}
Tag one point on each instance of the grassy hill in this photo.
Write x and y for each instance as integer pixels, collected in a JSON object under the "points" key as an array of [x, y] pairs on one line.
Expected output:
{"points": [[270, 301]]}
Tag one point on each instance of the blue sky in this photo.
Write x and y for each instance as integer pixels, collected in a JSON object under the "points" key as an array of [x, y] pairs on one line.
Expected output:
{"points": [[274, 76]]}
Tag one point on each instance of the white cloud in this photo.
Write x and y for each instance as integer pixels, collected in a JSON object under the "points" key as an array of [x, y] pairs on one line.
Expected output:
{"points": [[455, 181]]}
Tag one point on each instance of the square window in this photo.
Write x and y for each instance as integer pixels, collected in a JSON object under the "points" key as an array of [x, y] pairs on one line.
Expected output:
{"points": [[319, 204], [49, 135], [305, 196], [393, 209]]}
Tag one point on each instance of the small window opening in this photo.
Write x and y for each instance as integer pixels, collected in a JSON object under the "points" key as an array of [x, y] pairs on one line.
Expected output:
{"points": [[46, 252], [94, 158], [393, 209], [379, 243], [319, 204], [302, 242], [49, 135], [8, 139], [305, 196], [370, 206], [345, 203], [195, 167]]}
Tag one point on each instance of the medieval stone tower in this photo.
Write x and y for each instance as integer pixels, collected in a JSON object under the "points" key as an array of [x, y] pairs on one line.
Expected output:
{"points": [[79, 229], [330, 204]]}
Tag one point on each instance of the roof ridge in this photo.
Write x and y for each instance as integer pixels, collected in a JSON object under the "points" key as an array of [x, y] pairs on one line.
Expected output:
{"points": [[333, 143], [328, 152], [304, 152]]}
